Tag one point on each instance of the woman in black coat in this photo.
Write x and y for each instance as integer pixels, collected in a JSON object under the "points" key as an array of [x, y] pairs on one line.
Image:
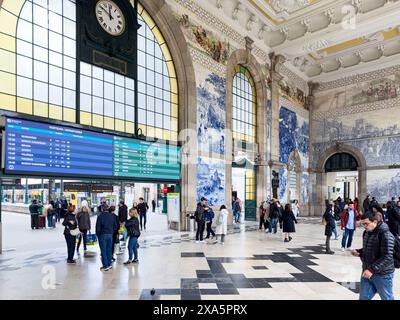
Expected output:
{"points": [[329, 221], [288, 220], [70, 223]]}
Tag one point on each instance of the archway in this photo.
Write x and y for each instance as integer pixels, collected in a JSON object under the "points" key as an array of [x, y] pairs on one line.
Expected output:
{"points": [[339, 158]]}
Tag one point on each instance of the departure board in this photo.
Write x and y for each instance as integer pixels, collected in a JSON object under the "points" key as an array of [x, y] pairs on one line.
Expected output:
{"points": [[42, 148], [47, 148], [137, 158]]}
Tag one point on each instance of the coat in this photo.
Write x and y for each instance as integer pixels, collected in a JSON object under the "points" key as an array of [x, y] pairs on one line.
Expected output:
{"points": [[345, 218], [330, 223], [67, 223], [288, 220], [377, 252], [223, 227], [199, 214], [394, 221], [123, 213], [83, 220]]}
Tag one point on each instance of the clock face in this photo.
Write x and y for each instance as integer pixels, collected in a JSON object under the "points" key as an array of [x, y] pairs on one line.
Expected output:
{"points": [[110, 17]]}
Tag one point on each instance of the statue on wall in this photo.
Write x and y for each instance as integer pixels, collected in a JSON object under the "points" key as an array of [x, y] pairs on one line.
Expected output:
{"points": [[275, 184]]}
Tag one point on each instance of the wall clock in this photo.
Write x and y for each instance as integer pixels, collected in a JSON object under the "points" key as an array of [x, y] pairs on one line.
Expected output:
{"points": [[110, 17]]}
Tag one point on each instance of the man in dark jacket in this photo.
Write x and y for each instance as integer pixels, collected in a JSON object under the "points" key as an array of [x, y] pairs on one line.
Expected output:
{"points": [[200, 217], [394, 220], [142, 209], [274, 216], [106, 225], [122, 212], [377, 259], [366, 203], [34, 211]]}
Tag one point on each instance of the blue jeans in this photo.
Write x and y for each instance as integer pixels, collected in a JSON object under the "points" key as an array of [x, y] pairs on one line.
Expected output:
{"points": [[132, 248], [237, 216], [50, 221], [335, 232], [105, 242], [273, 224], [381, 284], [348, 233]]}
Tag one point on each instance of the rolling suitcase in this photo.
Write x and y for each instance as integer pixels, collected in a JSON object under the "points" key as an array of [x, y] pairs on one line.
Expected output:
{"points": [[42, 222]]}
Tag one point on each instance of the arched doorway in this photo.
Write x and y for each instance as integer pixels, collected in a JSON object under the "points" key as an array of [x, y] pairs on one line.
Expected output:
{"points": [[345, 163]]}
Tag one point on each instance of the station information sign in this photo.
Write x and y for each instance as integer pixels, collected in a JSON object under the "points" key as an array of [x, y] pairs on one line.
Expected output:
{"points": [[41, 148]]}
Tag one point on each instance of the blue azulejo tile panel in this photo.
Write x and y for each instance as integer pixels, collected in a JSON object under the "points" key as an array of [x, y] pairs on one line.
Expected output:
{"points": [[211, 114], [293, 134], [383, 184], [211, 180]]}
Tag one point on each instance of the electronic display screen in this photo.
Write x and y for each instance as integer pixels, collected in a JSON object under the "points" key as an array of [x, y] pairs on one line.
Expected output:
{"points": [[42, 148]]}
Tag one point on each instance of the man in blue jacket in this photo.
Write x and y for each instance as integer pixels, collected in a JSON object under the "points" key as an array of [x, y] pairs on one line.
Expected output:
{"points": [[106, 224]]}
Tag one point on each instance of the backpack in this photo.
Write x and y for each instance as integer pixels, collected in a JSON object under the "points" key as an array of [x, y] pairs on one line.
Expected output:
{"points": [[396, 251]]}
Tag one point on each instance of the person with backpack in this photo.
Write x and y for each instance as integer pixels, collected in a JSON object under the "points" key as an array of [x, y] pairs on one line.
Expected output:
{"points": [[222, 224], [34, 211], [377, 256], [330, 226], [200, 217], [209, 219], [273, 217], [132, 226]]}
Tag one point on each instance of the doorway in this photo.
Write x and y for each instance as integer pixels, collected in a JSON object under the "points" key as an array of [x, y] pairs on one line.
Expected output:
{"points": [[244, 187]]}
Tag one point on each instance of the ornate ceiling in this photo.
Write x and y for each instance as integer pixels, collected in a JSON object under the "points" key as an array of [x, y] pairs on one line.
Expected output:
{"points": [[322, 40]]}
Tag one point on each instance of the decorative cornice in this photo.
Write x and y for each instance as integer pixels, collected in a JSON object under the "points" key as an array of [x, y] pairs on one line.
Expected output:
{"points": [[207, 62], [360, 108], [219, 25], [294, 78], [377, 74], [283, 102]]}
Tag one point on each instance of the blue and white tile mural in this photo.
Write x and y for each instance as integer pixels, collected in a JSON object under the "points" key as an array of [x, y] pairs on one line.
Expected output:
{"points": [[211, 114], [375, 135], [304, 188], [283, 185], [211, 180], [293, 134], [383, 184]]}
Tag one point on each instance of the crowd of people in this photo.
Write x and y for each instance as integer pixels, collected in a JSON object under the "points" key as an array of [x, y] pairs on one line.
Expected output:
{"points": [[380, 253], [109, 226]]}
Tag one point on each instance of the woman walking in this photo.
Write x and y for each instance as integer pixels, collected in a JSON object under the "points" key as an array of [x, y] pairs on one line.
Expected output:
{"points": [[222, 224], [263, 212], [84, 226], [71, 224], [330, 225], [288, 220], [132, 226]]}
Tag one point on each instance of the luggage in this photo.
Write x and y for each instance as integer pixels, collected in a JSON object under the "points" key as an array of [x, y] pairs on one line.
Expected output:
{"points": [[91, 239], [42, 222]]}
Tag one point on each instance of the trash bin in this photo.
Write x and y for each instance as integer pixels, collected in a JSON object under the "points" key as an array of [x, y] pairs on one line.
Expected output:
{"points": [[189, 222]]}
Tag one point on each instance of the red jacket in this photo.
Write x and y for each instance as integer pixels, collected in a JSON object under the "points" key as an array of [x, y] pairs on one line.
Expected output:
{"points": [[344, 218]]}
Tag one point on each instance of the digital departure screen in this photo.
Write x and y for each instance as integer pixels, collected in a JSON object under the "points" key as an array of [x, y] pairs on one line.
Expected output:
{"points": [[47, 148], [41, 148]]}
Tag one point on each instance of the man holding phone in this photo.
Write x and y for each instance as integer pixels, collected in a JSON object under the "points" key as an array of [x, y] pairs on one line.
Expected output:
{"points": [[377, 259]]}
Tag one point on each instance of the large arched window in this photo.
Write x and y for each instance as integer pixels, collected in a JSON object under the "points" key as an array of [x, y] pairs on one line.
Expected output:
{"points": [[244, 106], [38, 68]]}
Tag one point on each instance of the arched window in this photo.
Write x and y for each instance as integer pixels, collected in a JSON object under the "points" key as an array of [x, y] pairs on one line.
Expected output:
{"points": [[38, 67], [244, 106]]}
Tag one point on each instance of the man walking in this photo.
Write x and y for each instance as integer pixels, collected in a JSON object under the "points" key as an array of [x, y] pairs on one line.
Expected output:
{"points": [[142, 208], [106, 225], [377, 259], [237, 209], [349, 224]]}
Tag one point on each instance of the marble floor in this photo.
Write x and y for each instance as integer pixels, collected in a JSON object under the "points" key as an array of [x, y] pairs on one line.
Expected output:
{"points": [[251, 265]]}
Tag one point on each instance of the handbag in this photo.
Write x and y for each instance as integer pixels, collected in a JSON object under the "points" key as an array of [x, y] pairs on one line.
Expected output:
{"points": [[74, 232]]}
